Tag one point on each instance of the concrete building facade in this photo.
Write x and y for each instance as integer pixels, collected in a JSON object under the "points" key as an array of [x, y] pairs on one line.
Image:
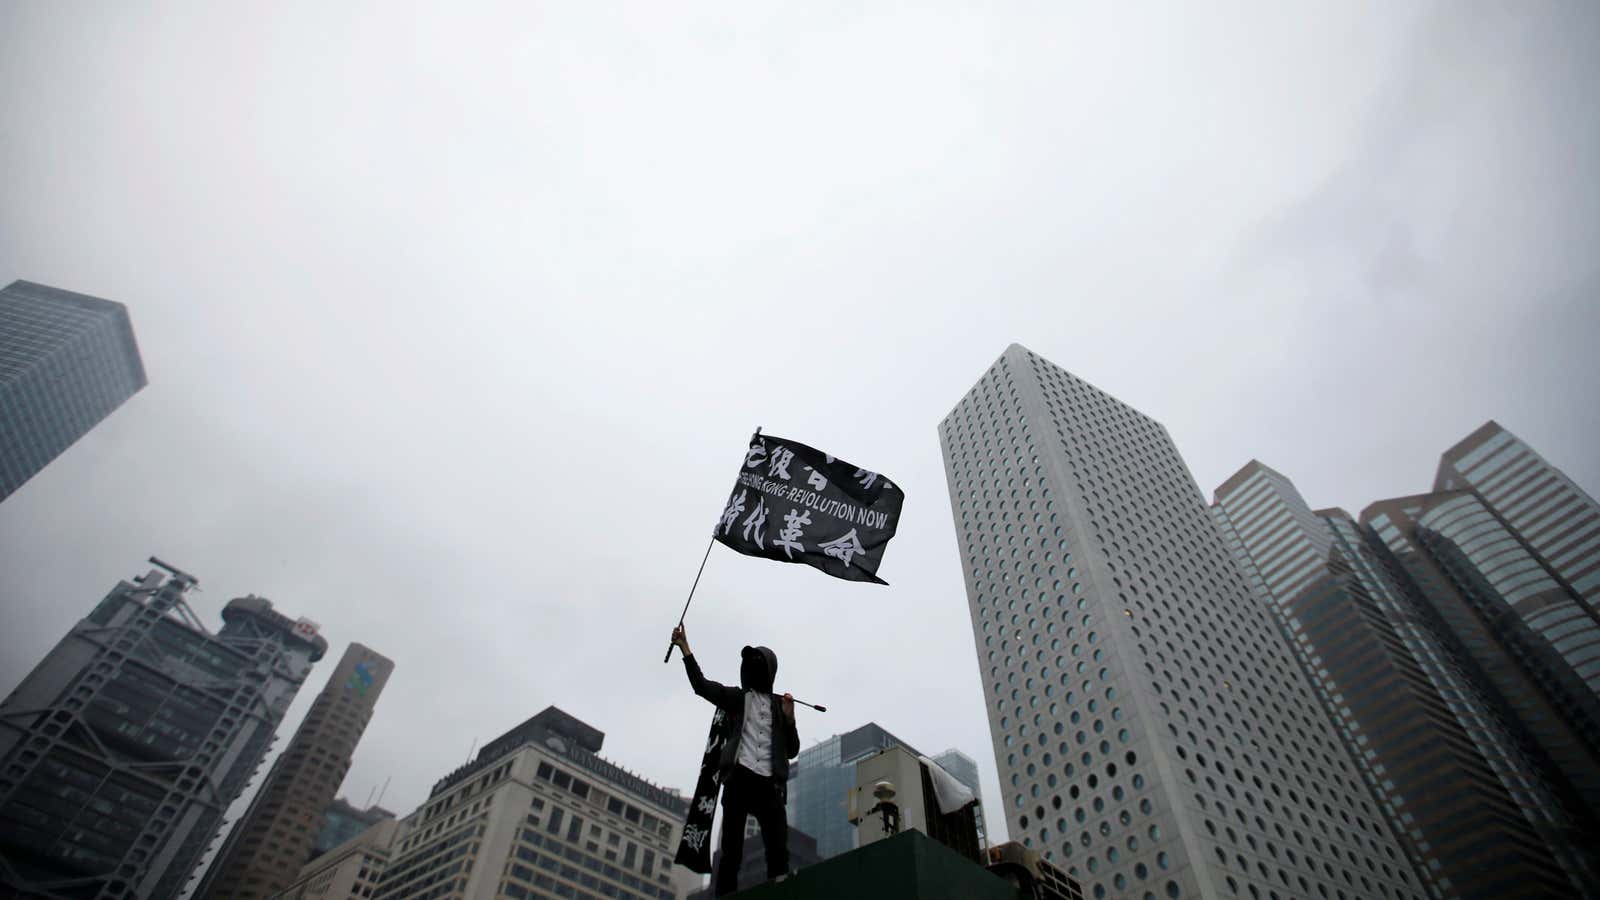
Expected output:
{"points": [[122, 749], [539, 813], [66, 362], [1154, 733], [276, 834]]}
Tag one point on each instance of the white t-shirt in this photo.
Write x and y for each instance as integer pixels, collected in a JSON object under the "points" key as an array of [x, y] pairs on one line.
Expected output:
{"points": [[755, 740]]}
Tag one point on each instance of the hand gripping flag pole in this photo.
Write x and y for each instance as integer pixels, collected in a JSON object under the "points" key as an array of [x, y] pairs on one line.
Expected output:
{"points": [[668, 658]]}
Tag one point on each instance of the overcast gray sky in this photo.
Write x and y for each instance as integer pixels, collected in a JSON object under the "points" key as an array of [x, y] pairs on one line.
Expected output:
{"points": [[457, 318]]}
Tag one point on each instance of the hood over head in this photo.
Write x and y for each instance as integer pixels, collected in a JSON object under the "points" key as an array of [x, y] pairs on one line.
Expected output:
{"points": [[758, 666]]}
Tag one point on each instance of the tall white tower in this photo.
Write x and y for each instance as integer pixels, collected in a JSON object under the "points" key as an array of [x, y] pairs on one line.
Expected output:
{"points": [[1152, 731]]}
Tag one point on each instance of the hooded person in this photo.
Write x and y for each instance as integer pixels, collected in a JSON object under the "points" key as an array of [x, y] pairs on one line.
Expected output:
{"points": [[747, 755]]}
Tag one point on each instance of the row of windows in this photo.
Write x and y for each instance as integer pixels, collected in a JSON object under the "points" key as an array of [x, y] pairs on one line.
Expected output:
{"points": [[548, 852], [978, 465], [429, 865], [614, 805]]}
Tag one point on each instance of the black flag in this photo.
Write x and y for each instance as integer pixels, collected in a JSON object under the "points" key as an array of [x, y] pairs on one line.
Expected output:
{"points": [[794, 503], [694, 844]]}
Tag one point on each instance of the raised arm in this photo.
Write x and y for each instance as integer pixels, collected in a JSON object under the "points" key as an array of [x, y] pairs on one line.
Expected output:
{"points": [[720, 694]]}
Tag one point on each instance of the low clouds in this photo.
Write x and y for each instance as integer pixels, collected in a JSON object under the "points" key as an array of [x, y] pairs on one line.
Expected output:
{"points": [[456, 321]]}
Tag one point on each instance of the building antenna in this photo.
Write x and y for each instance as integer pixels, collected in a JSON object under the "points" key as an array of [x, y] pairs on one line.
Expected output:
{"points": [[472, 748], [370, 793], [385, 789]]}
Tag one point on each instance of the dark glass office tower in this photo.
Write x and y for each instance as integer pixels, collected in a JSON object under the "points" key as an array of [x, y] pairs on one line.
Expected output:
{"points": [[1527, 673], [342, 821], [275, 836], [1449, 774], [1558, 520], [121, 750], [820, 779], [965, 770], [1153, 731], [66, 361]]}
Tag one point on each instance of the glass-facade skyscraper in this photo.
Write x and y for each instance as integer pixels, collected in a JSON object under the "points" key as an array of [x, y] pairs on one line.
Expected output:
{"points": [[1154, 733], [1558, 520], [1451, 775], [342, 821], [122, 749], [963, 767], [820, 781], [1430, 538], [66, 361]]}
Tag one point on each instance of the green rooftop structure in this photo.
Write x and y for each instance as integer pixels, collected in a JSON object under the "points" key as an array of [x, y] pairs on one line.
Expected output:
{"points": [[908, 866]]}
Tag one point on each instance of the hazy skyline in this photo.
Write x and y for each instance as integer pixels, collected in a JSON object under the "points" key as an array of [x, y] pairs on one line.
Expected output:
{"points": [[456, 320]]}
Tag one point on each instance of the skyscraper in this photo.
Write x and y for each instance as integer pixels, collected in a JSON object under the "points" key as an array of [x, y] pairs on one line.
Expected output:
{"points": [[820, 781], [66, 361], [1522, 671], [342, 821], [963, 767], [1153, 732], [965, 770], [274, 837], [1558, 520], [121, 750], [1450, 775], [539, 813]]}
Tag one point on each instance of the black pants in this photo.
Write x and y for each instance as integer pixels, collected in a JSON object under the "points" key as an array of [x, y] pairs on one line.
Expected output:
{"points": [[749, 794]]}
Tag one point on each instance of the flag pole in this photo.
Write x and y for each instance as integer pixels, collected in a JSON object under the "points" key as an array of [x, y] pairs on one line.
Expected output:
{"points": [[668, 658]]}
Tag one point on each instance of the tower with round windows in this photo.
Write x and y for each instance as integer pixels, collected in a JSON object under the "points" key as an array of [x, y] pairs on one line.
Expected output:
{"points": [[1153, 734]]}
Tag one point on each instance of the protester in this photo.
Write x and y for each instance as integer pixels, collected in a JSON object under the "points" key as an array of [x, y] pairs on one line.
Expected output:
{"points": [[753, 737]]}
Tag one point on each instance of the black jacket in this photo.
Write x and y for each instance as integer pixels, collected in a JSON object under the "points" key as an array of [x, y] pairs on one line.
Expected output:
{"points": [[758, 677]]}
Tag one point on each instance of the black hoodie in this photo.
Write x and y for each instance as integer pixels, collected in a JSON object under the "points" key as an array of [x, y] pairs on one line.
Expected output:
{"points": [[757, 668]]}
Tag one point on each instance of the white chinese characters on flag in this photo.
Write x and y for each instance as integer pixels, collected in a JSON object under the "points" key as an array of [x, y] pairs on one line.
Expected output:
{"points": [[794, 503]]}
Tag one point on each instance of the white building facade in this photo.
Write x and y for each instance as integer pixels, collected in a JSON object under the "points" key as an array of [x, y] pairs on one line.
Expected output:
{"points": [[539, 814], [1153, 734]]}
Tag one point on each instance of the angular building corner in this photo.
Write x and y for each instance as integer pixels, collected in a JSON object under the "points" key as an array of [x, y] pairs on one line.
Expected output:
{"points": [[67, 361], [122, 749]]}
